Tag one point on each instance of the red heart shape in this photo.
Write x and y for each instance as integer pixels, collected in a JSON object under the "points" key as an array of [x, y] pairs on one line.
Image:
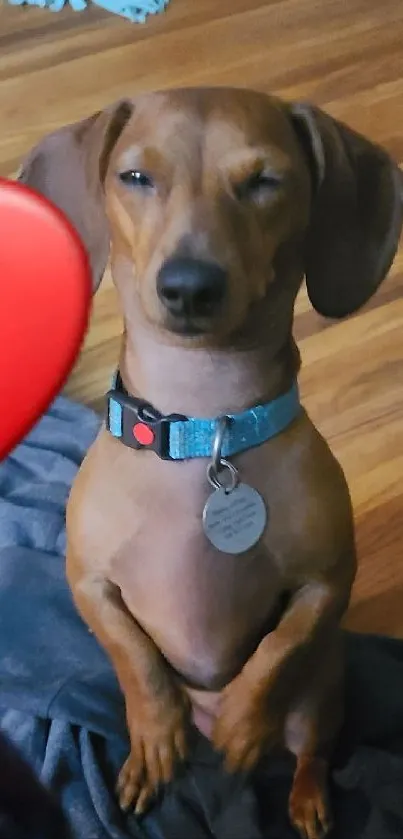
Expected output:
{"points": [[45, 301]]}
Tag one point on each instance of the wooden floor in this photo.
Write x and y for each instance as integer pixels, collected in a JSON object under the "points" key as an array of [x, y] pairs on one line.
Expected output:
{"points": [[345, 55]]}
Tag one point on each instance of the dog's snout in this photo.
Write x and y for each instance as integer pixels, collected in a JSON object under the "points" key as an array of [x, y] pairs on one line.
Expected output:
{"points": [[191, 288]]}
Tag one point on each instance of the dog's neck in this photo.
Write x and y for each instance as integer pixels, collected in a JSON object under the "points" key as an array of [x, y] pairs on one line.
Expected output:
{"points": [[203, 382], [253, 367]]}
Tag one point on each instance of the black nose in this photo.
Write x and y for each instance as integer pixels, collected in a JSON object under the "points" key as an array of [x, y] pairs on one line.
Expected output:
{"points": [[191, 287]]}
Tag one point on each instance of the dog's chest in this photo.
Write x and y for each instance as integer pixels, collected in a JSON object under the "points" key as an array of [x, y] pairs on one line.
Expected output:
{"points": [[204, 608]]}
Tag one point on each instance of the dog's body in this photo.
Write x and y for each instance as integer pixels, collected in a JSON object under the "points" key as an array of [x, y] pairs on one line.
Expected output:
{"points": [[207, 639], [232, 184]]}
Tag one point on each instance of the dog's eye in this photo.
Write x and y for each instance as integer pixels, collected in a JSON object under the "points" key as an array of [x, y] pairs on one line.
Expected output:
{"points": [[258, 186], [136, 180]]}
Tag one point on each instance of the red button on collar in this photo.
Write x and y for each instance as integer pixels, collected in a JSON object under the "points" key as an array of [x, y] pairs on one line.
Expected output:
{"points": [[143, 434]]}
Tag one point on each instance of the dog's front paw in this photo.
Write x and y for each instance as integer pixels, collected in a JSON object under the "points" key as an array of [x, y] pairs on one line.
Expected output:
{"points": [[158, 739], [246, 726]]}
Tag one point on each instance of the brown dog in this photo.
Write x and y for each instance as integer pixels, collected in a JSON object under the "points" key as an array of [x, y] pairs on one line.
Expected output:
{"points": [[213, 205]]}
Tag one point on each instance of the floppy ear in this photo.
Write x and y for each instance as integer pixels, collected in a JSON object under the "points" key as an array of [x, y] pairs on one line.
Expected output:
{"points": [[356, 217], [69, 166]]}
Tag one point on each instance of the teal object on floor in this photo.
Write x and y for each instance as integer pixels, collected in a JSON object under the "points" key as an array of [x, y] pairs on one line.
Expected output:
{"points": [[136, 12]]}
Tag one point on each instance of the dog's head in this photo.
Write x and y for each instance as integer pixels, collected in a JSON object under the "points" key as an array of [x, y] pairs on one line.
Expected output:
{"points": [[216, 202]]}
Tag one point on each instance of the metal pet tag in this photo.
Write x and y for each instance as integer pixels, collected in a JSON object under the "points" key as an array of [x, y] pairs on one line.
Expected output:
{"points": [[235, 516], [234, 520]]}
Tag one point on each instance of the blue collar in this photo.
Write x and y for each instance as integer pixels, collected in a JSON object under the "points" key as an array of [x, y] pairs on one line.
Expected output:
{"points": [[176, 437]]}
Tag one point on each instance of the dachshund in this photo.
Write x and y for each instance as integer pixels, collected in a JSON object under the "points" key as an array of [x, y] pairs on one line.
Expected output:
{"points": [[210, 535]]}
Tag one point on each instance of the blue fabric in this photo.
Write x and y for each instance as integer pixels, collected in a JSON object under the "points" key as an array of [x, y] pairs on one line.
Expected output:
{"points": [[61, 705], [136, 12], [115, 417], [195, 437]]}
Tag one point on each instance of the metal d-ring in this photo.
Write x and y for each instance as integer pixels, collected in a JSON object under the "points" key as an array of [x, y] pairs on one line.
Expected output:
{"points": [[213, 476], [218, 464], [216, 457]]}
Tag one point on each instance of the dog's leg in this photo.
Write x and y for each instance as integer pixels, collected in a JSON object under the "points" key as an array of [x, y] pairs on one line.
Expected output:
{"points": [[156, 708], [254, 706], [311, 729]]}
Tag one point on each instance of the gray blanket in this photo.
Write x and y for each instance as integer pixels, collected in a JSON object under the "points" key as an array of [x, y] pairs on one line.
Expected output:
{"points": [[61, 705]]}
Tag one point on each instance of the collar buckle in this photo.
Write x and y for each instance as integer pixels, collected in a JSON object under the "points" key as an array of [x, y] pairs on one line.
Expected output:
{"points": [[138, 424]]}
